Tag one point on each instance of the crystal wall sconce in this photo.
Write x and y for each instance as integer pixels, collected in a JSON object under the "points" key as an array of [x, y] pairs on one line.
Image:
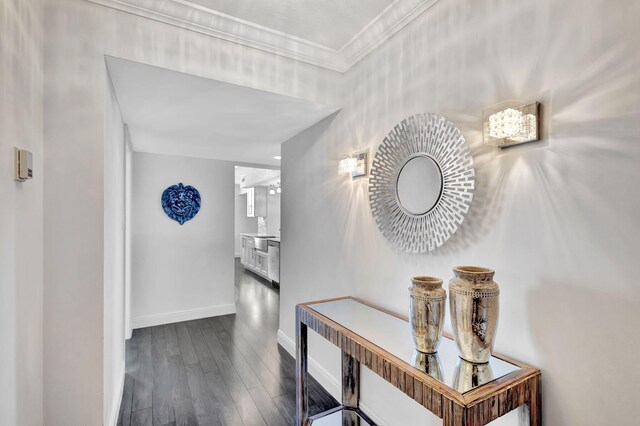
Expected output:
{"points": [[356, 165], [511, 123]]}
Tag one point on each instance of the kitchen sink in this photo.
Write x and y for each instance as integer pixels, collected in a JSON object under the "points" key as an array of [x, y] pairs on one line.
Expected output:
{"points": [[261, 242]]}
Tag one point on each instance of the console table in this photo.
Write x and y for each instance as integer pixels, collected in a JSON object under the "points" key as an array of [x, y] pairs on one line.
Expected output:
{"points": [[460, 393]]}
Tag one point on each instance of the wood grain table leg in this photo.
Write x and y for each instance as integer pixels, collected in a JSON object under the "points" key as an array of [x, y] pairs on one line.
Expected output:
{"points": [[531, 413], [350, 381], [535, 403], [302, 397]]}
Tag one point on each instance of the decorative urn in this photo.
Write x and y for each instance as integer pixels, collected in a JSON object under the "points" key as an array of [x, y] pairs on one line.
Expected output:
{"points": [[474, 306], [427, 305]]}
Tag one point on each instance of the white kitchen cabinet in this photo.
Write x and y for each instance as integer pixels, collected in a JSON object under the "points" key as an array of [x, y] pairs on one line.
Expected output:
{"points": [[252, 259], [262, 263], [250, 199], [247, 251], [246, 245], [257, 201], [252, 256], [243, 250]]}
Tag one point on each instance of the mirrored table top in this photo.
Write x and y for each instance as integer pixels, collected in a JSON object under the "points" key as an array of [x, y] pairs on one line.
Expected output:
{"points": [[341, 418], [393, 335]]}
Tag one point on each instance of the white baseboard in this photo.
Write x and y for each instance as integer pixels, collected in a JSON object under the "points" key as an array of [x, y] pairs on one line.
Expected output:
{"points": [[117, 399], [326, 379], [178, 316]]}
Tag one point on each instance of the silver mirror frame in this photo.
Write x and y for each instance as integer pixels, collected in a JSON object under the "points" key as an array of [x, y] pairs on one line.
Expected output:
{"points": [[433, 136]]}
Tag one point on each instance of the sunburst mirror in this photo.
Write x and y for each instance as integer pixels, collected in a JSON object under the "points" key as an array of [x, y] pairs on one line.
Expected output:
{"points": [[421, 183]]}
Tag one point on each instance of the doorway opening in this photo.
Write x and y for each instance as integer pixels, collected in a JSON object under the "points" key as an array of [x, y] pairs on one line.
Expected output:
{"points": [[190, 330], [257, 221]]}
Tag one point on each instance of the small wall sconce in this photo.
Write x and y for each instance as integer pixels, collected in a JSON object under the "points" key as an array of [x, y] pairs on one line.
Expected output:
{"points": [[511, 123], [356, 165]]}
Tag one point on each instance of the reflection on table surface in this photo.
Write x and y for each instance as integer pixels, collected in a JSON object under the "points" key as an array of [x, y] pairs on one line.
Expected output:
{"points": [[341, 418], [429, 363], [393, 335], [468, 375]]}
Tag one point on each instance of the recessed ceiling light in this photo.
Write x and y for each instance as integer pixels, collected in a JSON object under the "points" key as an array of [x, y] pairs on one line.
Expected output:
{"points": [[277, 157]]}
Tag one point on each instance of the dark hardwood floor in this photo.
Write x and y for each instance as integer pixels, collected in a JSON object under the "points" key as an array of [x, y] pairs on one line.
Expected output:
{"points": [[226, 370]]}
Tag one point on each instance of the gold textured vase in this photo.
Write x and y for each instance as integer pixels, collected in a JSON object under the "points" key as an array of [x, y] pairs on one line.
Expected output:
{"points": [[426, 316], [474, 306]]}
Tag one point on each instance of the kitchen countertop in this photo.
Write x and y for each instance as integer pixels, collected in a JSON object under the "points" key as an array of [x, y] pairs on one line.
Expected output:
{"points": [[267, 236]]}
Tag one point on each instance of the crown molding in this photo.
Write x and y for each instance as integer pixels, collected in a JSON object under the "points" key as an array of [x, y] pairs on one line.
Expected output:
{"points": [[184, 14], [395, 17], [192, 17]]}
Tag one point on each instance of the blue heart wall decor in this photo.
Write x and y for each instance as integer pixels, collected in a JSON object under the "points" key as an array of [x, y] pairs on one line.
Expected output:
{"points": [[181, 203]]}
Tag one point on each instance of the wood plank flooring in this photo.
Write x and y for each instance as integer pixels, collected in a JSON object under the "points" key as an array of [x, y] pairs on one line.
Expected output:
{"points": [[226, 370]]}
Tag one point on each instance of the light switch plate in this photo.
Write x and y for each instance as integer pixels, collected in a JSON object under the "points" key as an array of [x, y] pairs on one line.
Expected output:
{"points": [[23, 165]]}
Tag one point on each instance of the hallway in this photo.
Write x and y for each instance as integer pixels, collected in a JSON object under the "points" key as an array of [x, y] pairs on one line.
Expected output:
{"points": [[226, 370]]}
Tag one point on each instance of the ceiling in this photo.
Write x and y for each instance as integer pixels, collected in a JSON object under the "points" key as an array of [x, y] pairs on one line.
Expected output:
{"points": [[251, 176], [168, 112], [329, 23], [334, 34]]}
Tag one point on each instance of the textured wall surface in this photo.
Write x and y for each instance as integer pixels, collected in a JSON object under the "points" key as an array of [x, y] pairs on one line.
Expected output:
{"points": [[21, 94], [114, 253], [78, 35], [556, 219]]}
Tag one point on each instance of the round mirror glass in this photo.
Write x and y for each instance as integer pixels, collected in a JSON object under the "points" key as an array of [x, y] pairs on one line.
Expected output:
{"points": [[419, 185]]}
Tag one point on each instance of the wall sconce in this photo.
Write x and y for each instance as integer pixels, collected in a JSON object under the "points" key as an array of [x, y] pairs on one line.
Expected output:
{"points": [[511, 123], [356, 165]]}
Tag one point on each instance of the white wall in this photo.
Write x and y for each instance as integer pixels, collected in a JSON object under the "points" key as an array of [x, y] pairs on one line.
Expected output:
{"points": [[318, 221], [273, 214], [128, 329], [77, 36], [557, 220], [114, 254], [242, 223], [181, 272], [21, 95]]}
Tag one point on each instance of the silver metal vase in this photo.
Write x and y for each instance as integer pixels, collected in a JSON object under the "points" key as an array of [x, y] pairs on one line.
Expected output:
{"points": [[427, 298], [474, 305]]}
